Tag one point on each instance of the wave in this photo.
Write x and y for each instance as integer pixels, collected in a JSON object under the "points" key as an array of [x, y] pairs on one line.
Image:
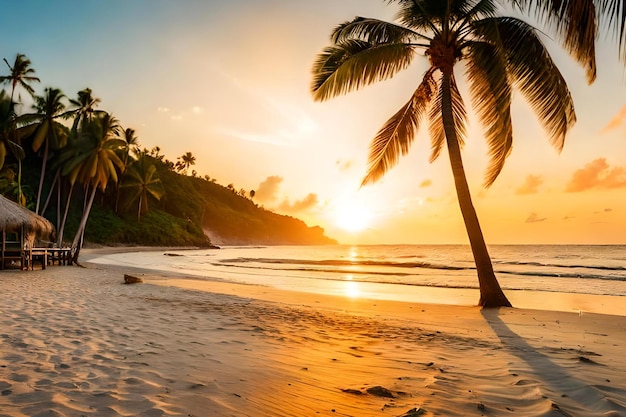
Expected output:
{"points": [[552, 265], [342, 262], [307, 265]]}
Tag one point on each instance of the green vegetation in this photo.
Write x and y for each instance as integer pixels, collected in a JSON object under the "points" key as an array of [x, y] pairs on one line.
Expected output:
{"points": [[77, 166]]}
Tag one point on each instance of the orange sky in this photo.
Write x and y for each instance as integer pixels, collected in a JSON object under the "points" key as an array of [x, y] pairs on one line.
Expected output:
{"points": [[229, 81]]}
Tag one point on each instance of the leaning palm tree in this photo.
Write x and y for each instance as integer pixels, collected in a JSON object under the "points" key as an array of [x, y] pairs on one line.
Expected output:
{"points": [[96, 166], [45, 130], [143, 181], [20, 73], [500, 53]]}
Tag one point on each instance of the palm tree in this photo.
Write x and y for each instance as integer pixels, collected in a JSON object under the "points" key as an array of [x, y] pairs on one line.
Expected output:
{"points": [[185, 161], [68, 164], [9, 141], [500, 53], [20, 74], [95, 165], [85, 107], [131, 142], [46, 130], [143, 181]]}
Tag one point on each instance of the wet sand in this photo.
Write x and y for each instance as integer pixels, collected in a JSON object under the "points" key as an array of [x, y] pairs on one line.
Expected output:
{"points": [[76, 341]]}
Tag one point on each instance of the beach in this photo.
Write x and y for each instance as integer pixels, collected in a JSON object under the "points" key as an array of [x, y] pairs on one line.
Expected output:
{"points": [[76, 341]]}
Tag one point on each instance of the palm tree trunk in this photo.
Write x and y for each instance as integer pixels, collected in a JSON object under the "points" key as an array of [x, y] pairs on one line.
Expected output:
{"points": [[77, 243], [491, 295], [20, 194], [67, 207], [139, 209], [54, 183], [41, 177]]}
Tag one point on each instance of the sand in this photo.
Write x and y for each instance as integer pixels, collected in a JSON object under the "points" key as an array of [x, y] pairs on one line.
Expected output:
{"points": [[77, 342]]}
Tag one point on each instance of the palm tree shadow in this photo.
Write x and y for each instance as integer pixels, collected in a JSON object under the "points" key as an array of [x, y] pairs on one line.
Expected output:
{"points": [[575, 395]]}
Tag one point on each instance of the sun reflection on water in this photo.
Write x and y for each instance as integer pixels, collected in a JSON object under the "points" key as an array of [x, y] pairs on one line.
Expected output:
{"points": [[351, 288]]}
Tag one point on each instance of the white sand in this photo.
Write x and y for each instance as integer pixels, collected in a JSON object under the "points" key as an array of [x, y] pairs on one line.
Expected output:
{"points": [[76, 342]]}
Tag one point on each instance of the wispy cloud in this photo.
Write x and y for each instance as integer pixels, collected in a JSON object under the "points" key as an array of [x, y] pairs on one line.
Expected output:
{"points": [[344, 165], [618, 120], [426, 183], [534, 218], [530, 186], [597, 174], [278, 121], [252, 137]]}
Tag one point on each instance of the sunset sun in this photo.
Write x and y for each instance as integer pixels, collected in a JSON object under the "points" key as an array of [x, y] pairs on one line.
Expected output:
{"points": [[353, 217]]}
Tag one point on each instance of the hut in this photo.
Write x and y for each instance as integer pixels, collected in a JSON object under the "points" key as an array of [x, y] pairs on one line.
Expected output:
{"points": [[20, 227]]}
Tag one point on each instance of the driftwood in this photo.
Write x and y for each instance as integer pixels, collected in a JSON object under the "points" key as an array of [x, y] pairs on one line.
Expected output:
{"points": [[131, 279]]}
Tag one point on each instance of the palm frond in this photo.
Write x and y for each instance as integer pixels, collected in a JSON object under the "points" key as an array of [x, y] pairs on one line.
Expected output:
{"points": [[459, 115], [576, 22], [538, 78], [396, 136], [374, 31], [352, 64], [435, 126], [421, 15], [615, 10], [491, 96]]}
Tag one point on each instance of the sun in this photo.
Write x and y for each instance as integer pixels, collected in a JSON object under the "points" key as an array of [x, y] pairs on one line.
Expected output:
{"points": [[352, 217]]}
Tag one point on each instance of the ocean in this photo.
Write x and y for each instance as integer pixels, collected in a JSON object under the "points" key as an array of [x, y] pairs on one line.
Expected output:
{"points": [[394, 271]]}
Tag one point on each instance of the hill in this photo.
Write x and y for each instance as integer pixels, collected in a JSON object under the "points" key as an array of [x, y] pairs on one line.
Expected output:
{"points": [[192, 212]]}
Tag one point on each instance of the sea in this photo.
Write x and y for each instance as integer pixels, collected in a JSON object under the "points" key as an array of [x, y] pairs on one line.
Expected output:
{"points": [[393, 272]]}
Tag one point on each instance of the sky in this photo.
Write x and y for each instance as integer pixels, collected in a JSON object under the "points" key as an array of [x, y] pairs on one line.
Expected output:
{"points": [[230, 81]]}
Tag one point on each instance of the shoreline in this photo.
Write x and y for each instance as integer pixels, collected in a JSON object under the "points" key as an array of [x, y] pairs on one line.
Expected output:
{"points": [[76, 341], [578, 303]]}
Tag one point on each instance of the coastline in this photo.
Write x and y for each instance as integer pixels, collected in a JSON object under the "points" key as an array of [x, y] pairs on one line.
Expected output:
{"points": [[578, 303], [76, 341]]}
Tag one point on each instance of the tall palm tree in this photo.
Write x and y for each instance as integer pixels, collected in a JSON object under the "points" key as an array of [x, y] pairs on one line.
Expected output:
{"points": [[143, 181], [96, 166], [84, 107], [9, 141], [68, 164], [20, 73], [500, 53], [185, 161], [131, 142], [46, 131]]}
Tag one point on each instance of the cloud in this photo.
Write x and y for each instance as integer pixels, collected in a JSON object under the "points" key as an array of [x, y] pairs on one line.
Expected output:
{"points": [[252, 137], [344, 165], [426, 183], [197, 110], [267, 190], [530, 186], [279, 120], [307, 202], [618, 120], [597, 174], [163, 109], [608, 210], [534, 218]]}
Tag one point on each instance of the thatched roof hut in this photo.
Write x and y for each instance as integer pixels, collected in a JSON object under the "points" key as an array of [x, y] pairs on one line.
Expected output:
{"points": [[15, 218]]}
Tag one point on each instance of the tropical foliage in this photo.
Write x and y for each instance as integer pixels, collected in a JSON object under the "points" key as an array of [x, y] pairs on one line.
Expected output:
{"points": [[500, 54], [77, 166]]}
